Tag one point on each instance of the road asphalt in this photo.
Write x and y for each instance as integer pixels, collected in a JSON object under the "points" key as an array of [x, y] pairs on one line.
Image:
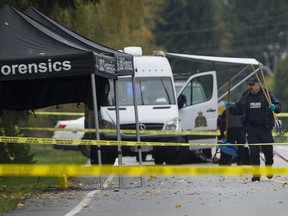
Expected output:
{"points": [[164, 195]]}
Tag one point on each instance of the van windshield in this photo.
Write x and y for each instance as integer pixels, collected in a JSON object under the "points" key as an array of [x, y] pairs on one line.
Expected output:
{"points": [[149, 91]]}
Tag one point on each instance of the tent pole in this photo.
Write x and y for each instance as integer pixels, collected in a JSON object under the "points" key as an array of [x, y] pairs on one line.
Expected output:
{"points": [[96, 118], [137, 123], [118, 129]]}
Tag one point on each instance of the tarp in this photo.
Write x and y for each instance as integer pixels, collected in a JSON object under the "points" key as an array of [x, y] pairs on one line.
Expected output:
{"points": [[215, 59], [124, 60], [40, 69]]}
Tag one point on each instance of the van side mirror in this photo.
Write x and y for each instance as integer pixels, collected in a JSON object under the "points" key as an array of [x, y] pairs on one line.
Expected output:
{"points": [[181, 100]]}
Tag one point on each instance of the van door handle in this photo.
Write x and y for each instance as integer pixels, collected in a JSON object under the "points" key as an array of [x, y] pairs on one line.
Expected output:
{"points": [[211, 110]]}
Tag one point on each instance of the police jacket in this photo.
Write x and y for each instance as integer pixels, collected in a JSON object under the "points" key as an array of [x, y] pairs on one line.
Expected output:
{"points": [[240, 108], [233, 122]]}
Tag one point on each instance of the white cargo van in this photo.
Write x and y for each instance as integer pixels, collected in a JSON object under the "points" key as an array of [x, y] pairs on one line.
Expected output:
{"points": [[158, 109]]}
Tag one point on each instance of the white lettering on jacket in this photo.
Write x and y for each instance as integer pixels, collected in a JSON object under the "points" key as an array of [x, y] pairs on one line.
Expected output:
{"points": [[255, 105]]}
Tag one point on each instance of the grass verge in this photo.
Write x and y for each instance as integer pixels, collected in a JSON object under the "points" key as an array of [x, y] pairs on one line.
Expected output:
{"points": [[14, 190]]}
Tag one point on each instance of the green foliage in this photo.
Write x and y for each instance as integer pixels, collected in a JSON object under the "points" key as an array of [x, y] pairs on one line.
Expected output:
{"points": [[10, 152], [15, 153], [280, 83], [114, 23], [42, 4]]}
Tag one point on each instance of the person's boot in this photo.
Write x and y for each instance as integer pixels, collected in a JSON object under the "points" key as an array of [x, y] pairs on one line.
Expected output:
{"points": [[255, 178]]}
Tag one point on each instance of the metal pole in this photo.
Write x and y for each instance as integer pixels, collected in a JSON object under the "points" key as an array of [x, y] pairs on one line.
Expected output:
{"points": [[96, 117], [137, 123], [118, 129]]}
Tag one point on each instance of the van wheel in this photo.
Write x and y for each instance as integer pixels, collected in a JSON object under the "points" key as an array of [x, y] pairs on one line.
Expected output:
{"points": [[108, 155], [180, 157], [207, 153], [171, 155], [158, 160]]}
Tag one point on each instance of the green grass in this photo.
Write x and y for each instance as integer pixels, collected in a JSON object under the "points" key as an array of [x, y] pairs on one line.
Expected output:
{"points": [[14, 190], [45, 154]]}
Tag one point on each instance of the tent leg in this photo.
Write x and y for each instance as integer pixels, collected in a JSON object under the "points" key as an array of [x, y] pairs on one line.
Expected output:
{"points": [[96, 117], [137, 124], [120, 163]]}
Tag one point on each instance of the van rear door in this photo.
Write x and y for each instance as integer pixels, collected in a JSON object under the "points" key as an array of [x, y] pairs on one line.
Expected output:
{"points": [[199, 112]]}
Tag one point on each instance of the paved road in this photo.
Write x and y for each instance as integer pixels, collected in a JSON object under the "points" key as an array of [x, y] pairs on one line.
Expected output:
{"points": [[173, 195]]}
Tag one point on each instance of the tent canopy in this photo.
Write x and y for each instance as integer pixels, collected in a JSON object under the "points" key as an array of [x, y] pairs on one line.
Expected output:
{"points": [[39, 68]]}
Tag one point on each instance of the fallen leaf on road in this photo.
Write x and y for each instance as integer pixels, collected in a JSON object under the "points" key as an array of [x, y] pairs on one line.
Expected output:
{"points": [[20, 205], [178, 206]]}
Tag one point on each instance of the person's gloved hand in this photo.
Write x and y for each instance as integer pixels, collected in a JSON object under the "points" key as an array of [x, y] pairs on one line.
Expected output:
{"points": [[227, 105], [272, 107]]}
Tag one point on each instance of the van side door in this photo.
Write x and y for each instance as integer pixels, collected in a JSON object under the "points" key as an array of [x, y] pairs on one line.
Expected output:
{"points": [[198, 106]]}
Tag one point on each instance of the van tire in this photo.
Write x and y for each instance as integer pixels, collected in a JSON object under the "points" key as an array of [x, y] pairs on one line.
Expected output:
{"points": [[180, 157], [108, 155], [207, 153], [158, 160], [171, 155], [181, 154]]}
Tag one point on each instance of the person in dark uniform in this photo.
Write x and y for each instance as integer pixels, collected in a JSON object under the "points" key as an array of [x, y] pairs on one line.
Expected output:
{"points": [[256, 115], [236, 134]]}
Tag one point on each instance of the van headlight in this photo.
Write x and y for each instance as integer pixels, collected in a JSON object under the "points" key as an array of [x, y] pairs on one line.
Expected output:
{"points": [[173, 124], [106, 124]]}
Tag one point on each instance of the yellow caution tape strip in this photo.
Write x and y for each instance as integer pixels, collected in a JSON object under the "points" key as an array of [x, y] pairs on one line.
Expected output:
{"points": [[96, 170], [113, 131], [51, 141], [82, 113], [60, 113], [93, 130]]}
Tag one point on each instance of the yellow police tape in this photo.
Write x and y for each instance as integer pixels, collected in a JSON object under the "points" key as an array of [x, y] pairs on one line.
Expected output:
{"points": [[93, 130], [96, 170], [82, 113], [51, 141], [60, 113], [169, 132]]}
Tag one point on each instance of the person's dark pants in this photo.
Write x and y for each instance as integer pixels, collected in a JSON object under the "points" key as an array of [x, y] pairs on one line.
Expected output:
{"points": [[236, 135], [260, 135]]}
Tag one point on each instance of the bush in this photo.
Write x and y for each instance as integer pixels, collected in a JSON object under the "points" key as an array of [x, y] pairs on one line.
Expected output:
{"points": [[14, 152]]}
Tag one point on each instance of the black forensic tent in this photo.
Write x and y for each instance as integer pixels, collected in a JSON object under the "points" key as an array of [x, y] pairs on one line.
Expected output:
{"points": [[42, 66], [39, 69]]}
